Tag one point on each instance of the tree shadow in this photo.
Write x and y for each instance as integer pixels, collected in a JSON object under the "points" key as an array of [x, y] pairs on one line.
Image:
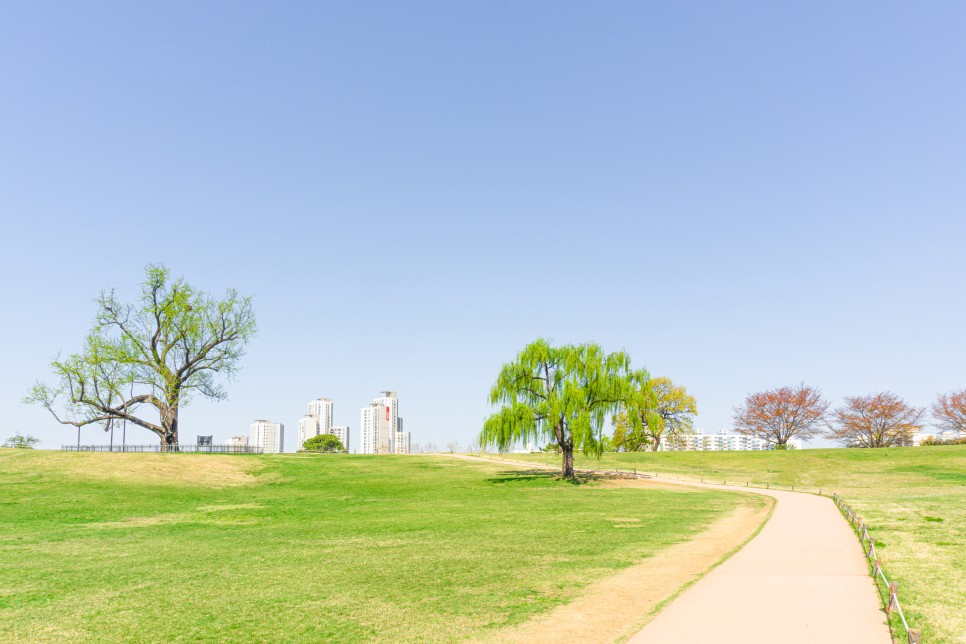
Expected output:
{"points": [[529, 476]]}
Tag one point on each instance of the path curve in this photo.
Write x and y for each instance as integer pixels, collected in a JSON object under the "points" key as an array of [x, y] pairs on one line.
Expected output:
{"points": [[803, 578]]}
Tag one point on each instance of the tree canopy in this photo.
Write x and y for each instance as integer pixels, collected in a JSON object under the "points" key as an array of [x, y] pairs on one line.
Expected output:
{"points": [[323, 443], [778, 415], [19, 441], [949, 411], [142, 362], [563, 394], [877, 420], [656, 411]]}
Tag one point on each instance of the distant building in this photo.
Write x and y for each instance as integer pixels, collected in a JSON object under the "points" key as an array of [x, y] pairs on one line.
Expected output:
{"points": [[342, 433], [268, 435], [720, 442], [400, 444], [317, 421], [237, 441], [204, 441], [379, 424]]}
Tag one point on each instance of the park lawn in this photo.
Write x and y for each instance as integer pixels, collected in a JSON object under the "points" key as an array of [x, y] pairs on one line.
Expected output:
{"points": [[108, 547], [914, 499]]}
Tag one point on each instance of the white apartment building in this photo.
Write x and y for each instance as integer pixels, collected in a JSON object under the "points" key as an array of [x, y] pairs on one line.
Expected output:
{"points": [[317, 421], [342, 433], [400, 444], [722, 441], [267, 435], [379, 424]]}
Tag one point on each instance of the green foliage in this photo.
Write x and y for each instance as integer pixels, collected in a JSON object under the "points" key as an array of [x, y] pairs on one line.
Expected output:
{"points": [[152, 356], [324, 443], [343, 540], [562, 394], [931, 441], [19, 441], [656, 411]]}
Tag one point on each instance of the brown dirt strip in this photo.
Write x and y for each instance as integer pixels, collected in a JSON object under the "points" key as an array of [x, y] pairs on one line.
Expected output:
{"points": [[616, 607]]}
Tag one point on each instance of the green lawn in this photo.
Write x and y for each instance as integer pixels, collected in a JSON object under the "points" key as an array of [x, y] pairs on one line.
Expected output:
{"points": [[141, 547], [914, 499]]}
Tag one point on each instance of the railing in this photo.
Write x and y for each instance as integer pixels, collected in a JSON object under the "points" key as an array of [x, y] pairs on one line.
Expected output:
{"points": [[181, 449], [892, 587]]}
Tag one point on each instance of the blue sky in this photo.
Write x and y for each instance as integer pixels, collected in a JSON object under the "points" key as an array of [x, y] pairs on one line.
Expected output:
{"points": [[741, 195]]}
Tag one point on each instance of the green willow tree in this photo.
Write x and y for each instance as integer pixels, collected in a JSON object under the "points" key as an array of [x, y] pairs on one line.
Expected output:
{"points": [[559, 393], [152, 356]]}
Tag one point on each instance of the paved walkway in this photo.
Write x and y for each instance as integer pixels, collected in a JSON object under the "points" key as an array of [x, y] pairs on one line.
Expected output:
{"points": [[802, 579]]}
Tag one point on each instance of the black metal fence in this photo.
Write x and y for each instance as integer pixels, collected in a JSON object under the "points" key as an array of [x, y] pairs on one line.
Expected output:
{"points": [[181, 449]]}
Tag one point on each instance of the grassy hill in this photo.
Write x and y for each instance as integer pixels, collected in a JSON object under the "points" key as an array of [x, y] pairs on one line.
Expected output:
{"points": [[914, 499], [272, 548]]}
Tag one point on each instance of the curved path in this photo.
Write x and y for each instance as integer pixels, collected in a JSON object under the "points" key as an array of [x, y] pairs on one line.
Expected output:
{"points": [[803, 578]]}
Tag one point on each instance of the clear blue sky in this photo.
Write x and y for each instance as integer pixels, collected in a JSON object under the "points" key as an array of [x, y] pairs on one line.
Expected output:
{"points": [[741, 195]]}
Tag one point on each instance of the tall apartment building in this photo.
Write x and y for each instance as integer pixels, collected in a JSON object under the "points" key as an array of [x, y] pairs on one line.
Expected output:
{"points": [[267, 435], [317, 421], [379, 426], [342, 433]]}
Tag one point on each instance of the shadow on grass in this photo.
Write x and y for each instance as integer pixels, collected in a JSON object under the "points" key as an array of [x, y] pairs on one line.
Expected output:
{"points": [[530, 476]]}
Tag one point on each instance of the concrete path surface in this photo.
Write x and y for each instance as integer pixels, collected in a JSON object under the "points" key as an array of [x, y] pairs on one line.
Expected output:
{"points": [[803, 578]]}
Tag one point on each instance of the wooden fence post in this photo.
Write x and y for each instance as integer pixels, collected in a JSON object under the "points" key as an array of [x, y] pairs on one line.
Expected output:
{"points": [[871, 548], [893, 595], [876, 567], [914, 636]]}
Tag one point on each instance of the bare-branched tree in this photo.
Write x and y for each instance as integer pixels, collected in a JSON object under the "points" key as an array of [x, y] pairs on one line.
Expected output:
{"points": [[877, 420], [782, 414], [949, 411]]}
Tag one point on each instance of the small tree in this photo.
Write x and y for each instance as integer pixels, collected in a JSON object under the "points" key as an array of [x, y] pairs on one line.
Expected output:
{"points": [[657, 410], [453, 447], [19, 441], [781, 414], [156, 354], [877, 420], [563, 394], [324, 443], [949, 411]]}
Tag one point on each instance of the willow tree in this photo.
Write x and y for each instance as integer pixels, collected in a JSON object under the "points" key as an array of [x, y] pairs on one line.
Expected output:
{"points": [[563, 394], [142, 362], [657, 410]]}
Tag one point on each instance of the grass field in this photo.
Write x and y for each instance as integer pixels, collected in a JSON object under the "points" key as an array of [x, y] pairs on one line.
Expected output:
{"points": [[110, 547], [913, 498]]}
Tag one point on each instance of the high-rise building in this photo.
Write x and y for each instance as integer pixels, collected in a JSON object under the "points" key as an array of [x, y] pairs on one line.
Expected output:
{"points": [[317, 421], [378, 424], [268, 435], [400, 444], [342, 433]]}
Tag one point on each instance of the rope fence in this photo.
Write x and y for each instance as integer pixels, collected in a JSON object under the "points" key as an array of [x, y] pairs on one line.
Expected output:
{"points": [[892, 587]]}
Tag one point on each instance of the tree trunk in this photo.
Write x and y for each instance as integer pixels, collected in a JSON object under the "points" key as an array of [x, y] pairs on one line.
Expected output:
{"points": [[169, 422], [656, 445], [567, 471]]}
